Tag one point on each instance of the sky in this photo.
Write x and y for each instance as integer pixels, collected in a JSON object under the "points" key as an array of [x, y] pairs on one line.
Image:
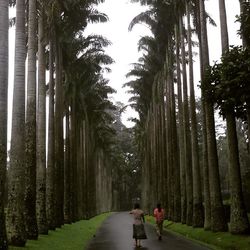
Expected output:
{"points": [[124, 48], [124, 43]]}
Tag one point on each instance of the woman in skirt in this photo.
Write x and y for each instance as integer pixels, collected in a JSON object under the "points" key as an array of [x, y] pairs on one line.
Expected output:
{"points": [[138, 226]]}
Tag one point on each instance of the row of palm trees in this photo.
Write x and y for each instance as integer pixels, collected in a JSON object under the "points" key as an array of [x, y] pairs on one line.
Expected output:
{"points": [[174, 168], [44, 192]]}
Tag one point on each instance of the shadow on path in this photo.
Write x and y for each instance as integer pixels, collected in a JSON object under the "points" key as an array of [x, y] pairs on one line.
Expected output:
{"points": [[116, 234]]}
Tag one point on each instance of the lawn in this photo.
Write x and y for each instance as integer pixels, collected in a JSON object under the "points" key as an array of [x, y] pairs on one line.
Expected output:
{"points": [[70, 237], [215, 240]]}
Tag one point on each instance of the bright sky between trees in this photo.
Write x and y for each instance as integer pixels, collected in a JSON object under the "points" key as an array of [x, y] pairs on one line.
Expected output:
{"points": [[124, 48], [124, 43]]}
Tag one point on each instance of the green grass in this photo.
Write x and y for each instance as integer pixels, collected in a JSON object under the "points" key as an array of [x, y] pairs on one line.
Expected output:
{"points": [[218, 240], [70, 237]]}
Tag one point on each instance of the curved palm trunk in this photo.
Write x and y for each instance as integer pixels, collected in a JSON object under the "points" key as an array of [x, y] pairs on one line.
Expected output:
{"points": [[50, 186], [41, 135], [218, 221], [198, 215], [30, 128], [15, 209], [4, 18]]}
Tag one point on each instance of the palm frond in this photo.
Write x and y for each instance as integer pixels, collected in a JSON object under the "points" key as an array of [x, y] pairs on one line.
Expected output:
{"points": [[144, 17]]}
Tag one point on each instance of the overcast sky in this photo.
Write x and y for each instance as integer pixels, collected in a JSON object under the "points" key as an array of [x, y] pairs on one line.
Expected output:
{"points": [[124, 49]]}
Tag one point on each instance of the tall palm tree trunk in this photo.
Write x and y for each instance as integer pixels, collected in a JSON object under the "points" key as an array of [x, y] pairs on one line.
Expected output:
{"points": [[176, 161], [59, 184], [238, 216], [198, 215], [170, 177], [187, 139], [41, 133], [244, 43], [15, 209], [174, 154], [239, 223], [163, 138], [73, 156], [180, 130], [67, 186], [207, 203], [4, 18], [30, 128], [50, 184], [223, 26], [218, 221]]}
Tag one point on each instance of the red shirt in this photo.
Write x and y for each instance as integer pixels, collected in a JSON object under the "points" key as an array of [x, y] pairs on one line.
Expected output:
{"points": [[159, 216]]}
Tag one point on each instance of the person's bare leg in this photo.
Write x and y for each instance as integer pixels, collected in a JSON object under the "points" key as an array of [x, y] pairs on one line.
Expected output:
{"points": [[160, 230], [139, 243], [136, 242]]}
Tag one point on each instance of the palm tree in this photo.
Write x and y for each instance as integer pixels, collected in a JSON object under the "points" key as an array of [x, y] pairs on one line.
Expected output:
{"points": [[239, 223], [147, 104], [67, 170], [174, 144], [41, 132], [198, 220], [207, 203], [77, 87], [187, 139], [50, 174], [15, 209], [238, 216], [65, 19], [180, 129], [4, 16], [218, 221], [59, 136], [30, 127]]}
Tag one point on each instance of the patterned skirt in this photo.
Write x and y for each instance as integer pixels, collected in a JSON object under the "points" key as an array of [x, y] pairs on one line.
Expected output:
{"points": [[139, 232]]}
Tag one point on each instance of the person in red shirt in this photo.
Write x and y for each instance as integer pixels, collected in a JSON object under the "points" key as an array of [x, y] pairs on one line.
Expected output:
{"points": [[159, 218]]}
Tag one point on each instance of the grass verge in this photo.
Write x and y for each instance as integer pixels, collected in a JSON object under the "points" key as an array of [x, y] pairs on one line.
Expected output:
{"points": [[219, 240], [70, 237]]}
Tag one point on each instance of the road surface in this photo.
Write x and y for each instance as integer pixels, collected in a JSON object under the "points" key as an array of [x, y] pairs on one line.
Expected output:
{"points": [[116, 234]]}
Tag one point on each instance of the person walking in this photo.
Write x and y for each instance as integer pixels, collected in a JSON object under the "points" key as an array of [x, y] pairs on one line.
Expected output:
{"points": [[159, 218], [138, 226]]}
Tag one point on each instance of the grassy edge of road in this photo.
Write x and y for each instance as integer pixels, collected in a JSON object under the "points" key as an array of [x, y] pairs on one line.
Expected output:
{"points": [[218, 240], [69, 237]]}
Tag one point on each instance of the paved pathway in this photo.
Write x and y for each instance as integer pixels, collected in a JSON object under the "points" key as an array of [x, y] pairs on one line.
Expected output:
{"points": [[116, 234]]}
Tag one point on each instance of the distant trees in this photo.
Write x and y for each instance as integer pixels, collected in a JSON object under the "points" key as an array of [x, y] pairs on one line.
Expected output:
{"points": [[126, 167]]}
